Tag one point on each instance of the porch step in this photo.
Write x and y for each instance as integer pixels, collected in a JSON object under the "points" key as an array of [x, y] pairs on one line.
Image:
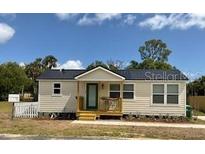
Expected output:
{"points": [[87, 116]]}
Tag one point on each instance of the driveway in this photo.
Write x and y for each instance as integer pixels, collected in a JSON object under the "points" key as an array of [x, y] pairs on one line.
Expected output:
{"points": [[144, 124]]}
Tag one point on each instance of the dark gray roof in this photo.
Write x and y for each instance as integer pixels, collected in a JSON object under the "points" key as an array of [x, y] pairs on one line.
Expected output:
{"points": [[138, 74]]}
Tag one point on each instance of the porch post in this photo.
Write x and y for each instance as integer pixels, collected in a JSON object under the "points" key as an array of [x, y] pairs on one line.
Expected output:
{"points": [[121, 95], [121, 89], [78, 96]]}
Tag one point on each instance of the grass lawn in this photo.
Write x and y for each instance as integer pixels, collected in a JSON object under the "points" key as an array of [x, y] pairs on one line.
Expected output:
{"points": [[64, 128], [198, 113], [5, 107]]}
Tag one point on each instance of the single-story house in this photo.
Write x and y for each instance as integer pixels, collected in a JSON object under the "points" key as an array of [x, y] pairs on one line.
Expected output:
{"points": [[98, 92]]}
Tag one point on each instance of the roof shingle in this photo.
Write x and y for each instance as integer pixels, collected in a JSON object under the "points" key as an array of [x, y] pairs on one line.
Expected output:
{"points": [[138, 74]]}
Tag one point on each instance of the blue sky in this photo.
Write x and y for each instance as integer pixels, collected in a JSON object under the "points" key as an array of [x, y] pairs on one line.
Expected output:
{"points": [[79, 39]]}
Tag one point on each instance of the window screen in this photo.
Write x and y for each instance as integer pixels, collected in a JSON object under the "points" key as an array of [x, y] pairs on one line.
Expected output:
{"points": [[114, 90], [128, 91], [158, 94]]}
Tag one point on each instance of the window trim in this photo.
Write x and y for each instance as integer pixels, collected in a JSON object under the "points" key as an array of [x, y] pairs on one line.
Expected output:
{"points": [[114, 90], [165, 95], [173, 94], [152, 93], [53, 94], [128, 99]]}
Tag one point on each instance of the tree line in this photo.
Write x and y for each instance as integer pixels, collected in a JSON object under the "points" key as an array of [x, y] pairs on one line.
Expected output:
{"points": [[154, 55], [196, 87], [19, 79]]}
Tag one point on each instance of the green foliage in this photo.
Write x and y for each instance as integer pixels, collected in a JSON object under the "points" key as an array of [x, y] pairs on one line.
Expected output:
{"points": [[35, 68], [115, 65], [155, 50], [154, 54], [149, 64], [111, 65], [12, 79], [39, 65], [49, 61], [133, 65], [96, 64], [196, 87]]}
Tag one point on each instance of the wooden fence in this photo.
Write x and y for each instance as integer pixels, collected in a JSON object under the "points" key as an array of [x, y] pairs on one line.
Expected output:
{"points": [[197, 102], [26, 109]]}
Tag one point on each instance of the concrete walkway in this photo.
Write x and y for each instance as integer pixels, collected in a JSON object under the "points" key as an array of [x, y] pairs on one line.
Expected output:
{"points": [[36, 137], [144, 124], [201, 117]]}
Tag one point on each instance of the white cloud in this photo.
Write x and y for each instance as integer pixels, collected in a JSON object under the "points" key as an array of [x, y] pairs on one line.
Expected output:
{"points": [[98, 18], [174, 21], [129, 19], [66, 16], [70, 64], [22, 64], [6, 32]]}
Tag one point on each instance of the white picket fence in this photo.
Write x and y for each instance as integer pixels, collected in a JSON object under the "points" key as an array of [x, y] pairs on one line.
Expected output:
{"points": [[26, 109]]}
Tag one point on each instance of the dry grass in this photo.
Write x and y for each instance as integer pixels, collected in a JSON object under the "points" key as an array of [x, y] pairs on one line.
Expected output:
{"points": [[5, 107], [198, 113], [54, 128], [64, 128]]}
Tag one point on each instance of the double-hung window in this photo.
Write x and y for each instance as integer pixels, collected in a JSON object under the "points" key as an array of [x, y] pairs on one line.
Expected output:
{"points": [[165, 94], [172, 93], [128, 91], [56, 88], [158, 94], [114, 90]]}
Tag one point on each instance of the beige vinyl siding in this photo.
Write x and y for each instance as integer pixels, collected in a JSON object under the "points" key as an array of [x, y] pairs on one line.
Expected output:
{"points": [[64, 103], [142, 104]]}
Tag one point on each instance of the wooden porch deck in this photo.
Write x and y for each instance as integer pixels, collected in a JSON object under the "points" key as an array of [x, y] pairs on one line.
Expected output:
{"points": [[111, 108], [93, 115]]}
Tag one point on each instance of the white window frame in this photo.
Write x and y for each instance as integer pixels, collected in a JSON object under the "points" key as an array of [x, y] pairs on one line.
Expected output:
{"points": [[152, 93], [165, 94], [53, 94], [114, 90], [129, 91], [172, 94]]}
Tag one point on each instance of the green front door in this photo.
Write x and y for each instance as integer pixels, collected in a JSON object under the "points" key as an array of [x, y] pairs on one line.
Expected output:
{"points": [[92, 95]]}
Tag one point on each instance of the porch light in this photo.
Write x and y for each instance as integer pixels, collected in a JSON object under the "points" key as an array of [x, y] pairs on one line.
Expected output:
{"points": [[102, 85]]}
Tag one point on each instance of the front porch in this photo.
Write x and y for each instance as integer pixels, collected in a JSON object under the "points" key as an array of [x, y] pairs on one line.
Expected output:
{"points": [[107, 107], [93, 95]]}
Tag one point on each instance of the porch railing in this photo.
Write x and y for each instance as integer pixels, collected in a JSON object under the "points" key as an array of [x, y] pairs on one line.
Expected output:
{"points": [[105, 104], [110, 104]]}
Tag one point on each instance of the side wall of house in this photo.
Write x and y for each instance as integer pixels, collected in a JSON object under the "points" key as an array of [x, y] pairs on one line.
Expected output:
{"points": [[66, 102], [142, 104]]}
